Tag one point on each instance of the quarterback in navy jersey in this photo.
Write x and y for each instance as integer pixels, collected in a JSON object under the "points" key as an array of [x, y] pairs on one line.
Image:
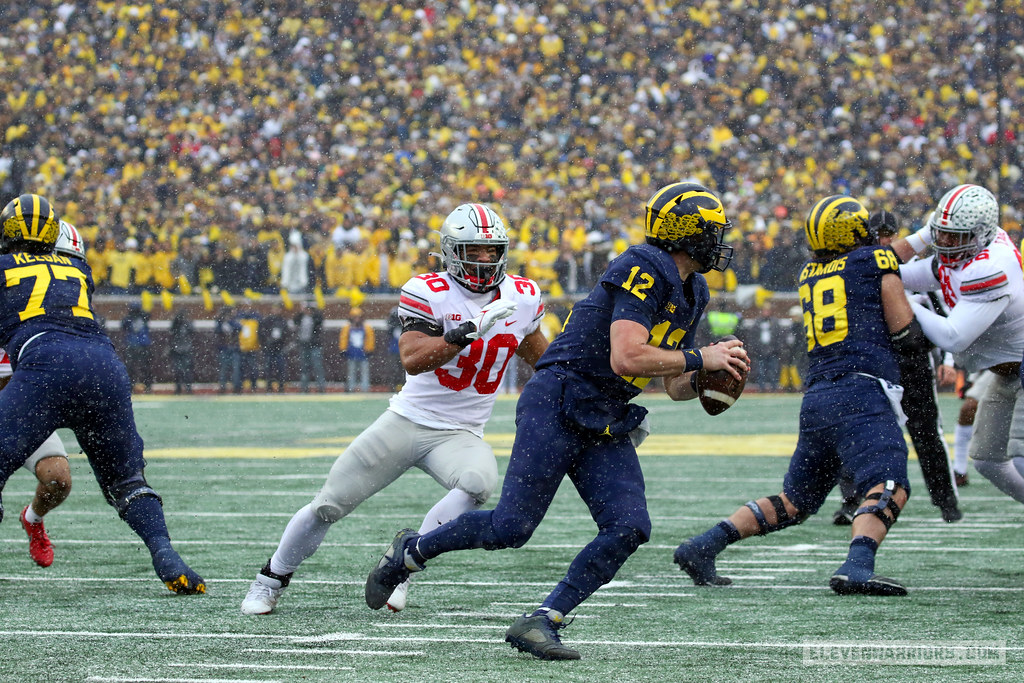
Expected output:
{"points": [[67, 374], [575, 418], [856, 316]]}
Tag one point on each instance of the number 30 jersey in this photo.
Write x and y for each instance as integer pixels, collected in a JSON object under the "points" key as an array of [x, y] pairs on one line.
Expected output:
{"points": [[843, 316], [42, 293], [461, 393]]}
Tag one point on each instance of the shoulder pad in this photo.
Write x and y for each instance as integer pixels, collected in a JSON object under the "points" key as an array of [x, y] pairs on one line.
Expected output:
{"points": [[983, 280], [419, 295]]}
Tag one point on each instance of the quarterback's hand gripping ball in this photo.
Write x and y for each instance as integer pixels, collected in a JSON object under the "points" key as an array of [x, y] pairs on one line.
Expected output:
{"points": [[718, 390]]}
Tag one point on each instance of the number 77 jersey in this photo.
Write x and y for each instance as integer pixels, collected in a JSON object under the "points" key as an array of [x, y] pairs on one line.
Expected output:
{"points": [[460, 394], [843, 315], [39, 293]]}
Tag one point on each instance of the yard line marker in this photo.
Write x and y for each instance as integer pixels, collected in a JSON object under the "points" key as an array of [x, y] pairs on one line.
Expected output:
{"points": [[328, 651], [262, 667], [136, 679]]}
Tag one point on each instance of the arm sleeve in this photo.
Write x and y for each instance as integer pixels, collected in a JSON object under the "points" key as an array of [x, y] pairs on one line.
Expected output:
{"points": [[918, 276], [965, 323]]}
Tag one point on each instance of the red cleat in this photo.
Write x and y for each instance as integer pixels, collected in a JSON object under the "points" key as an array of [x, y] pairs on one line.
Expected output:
{"points": [[39, 546]]}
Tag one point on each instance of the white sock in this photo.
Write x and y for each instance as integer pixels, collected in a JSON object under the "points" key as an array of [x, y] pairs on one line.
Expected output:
{"points": [[1005, 477], [448, 508], [303, 535], [961, 442], [1018, 462], [31, 517]]}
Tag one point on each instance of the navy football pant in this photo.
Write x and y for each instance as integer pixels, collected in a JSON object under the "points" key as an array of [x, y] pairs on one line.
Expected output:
{"points": [[605, 471], [65, 381], [846, 425]]}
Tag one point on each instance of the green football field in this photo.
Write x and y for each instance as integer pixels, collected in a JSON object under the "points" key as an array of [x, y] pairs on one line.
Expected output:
{"points": [[232, 470]]}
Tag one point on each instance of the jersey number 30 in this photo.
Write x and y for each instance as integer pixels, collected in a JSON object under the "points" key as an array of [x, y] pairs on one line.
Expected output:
{"points": [[502, 344], [825, 320]]}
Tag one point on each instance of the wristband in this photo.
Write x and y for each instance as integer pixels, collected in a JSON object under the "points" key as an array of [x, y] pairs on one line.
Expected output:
{"points": [[459, 336], [920, 239], [694, 359]]}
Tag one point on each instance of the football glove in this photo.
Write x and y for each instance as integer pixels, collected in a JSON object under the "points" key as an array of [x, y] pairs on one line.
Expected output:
{"points": [[466, 333]]}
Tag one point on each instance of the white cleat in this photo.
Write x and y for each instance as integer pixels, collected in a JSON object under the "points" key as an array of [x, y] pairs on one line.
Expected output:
{"points": [[396, 603], [262, 596]]}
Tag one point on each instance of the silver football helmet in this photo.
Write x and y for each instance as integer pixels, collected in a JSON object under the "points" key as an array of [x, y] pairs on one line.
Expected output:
{"points": [[964, 223], [69, 242], [474, 224]]}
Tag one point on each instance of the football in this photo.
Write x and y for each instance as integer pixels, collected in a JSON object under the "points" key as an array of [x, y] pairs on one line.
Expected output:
{"points": [[717, 389]]}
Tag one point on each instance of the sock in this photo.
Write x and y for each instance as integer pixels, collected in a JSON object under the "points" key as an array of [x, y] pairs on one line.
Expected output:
{"points": [[1018, 462], [448, 508], [961, 442], [414, 560], [552, 614], [301, 538], [31, 517], [145, 516], [862, 553], [717, 537]]}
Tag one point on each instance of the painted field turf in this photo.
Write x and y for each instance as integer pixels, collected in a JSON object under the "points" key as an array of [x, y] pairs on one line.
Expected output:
{"points": [[233, 470]]}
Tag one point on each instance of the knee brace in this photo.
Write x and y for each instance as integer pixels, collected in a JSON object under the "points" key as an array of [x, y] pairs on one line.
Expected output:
{"points": [[782, 516], [884, 502], [121, 494]]}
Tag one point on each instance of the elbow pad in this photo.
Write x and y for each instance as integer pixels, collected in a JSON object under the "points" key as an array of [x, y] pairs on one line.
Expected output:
{"points": [[910, 340]]}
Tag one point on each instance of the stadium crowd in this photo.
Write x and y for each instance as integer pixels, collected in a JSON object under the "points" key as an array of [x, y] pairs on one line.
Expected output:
{"points": [[196, 143]]}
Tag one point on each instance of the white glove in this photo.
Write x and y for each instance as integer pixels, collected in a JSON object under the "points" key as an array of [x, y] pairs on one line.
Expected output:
{"points": [[490, 314], [471, 330]]}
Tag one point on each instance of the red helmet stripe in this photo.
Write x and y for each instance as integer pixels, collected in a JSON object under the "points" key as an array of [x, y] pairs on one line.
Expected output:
{"points": [[482, 214], [949, 205]]}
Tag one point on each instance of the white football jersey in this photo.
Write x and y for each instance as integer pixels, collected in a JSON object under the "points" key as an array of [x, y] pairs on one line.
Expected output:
{"points": [[461, 393], [995, 272], [5, 365]]}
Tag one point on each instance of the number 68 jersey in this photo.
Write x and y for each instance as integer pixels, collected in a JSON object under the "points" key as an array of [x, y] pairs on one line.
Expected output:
{"points": [[843, 315], [460, 394]]}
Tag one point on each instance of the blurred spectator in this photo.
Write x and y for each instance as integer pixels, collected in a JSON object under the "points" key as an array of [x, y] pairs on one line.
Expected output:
{"points": [[181, 349], [185, 265], [567, 112], [255, 272], [309, 331], [249, 347], [138, 355], [295, 269], [391, 366], [229, 357], [793, 355], [764, 339], [356, 343], [273, 338]]}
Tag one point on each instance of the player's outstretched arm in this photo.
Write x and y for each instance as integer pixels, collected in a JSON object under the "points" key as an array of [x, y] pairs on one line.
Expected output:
{"points": [[532, 347]]}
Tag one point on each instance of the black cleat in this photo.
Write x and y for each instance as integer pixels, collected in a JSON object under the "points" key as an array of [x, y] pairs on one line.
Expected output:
{"points": [[538, 635], [961, 479], [699, 565], [390, 571], [951, 513], [844, 515], [874, 585]]}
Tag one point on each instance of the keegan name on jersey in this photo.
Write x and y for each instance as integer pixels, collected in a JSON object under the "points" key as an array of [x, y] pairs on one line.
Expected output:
{"points": [[43, 293], [641, 285], [843, 316]]}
